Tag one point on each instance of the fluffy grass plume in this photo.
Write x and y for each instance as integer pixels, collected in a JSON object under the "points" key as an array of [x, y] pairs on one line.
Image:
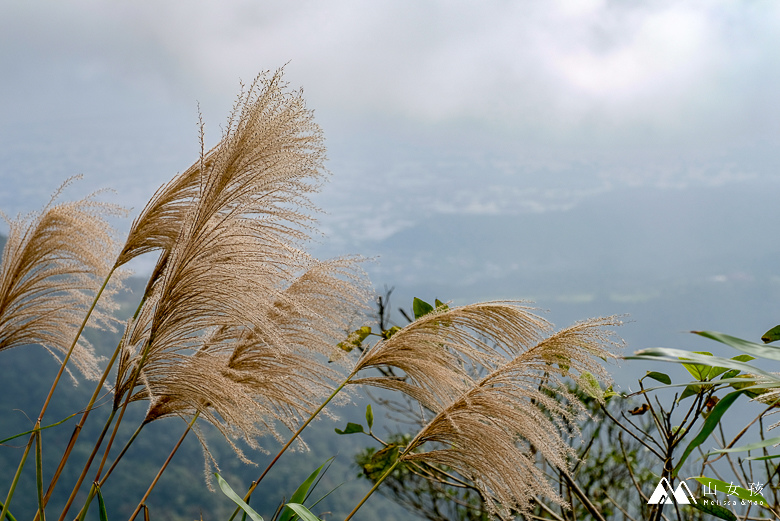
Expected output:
{"points": [[53, 264], [239, 321], [492, 432]]}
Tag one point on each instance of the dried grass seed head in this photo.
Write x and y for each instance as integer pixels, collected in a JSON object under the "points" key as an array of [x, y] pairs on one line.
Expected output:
{"points": [[53, 264], [443, 352], [489, 432]]}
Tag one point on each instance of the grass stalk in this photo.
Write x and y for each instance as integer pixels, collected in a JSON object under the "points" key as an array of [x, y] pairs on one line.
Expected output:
{"points": [[85, 470], [376, 486], [15, 481], [39, 474], [8, 515], [290, 441], [83, 420], [162, 469], [73, 345], [36, 429]]}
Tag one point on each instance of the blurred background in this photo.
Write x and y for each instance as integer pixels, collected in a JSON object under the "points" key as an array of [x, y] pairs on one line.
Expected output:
{"points": [[595, 157]]}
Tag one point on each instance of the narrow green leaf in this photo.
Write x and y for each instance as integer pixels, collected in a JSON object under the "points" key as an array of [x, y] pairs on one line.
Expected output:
{"points": [[41, 429], [751, 348], [351, 428], [717, 486], [772, 335], [676, 355], [420, 308], [101, 504], [369, 416], [760, 458], [39, 473], [715, 510], [301, 493], [223, 485], [303, 512], [659, 377], [709, 425], [750, 446]]}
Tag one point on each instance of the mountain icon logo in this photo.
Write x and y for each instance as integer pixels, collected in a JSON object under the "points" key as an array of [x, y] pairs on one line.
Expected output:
{"points": [[663, 494]]}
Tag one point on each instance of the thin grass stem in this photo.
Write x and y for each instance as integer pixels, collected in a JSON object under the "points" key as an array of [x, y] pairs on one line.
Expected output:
{"points": [[15, 481], [73, 345], [39, 474], [162, 469], [46, 402], [82, 421], [376, 486], [85, 470], [8, 515], [290, 441]]}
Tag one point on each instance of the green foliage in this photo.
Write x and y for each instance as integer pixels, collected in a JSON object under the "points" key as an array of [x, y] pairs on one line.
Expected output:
{"points": [[230, 493]]}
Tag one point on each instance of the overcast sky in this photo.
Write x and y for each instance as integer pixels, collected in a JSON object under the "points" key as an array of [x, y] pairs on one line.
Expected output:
{"points": [[429, 107]]}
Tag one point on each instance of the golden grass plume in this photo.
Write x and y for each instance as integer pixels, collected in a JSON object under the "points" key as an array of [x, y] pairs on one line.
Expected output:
{"points": [[491, 433], [53, 263]]}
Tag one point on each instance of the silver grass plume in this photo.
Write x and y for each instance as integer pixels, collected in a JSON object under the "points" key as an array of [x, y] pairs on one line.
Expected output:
{"points": [[239, 310], [443, 352], [491, 432], [270, 135], [53, 263]]}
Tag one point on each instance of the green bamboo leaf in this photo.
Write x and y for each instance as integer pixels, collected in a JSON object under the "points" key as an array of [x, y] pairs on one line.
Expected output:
{"points": [[750, 446], [101, 504], [771, 335], [677, 355], [420, 308], [229, 492], [301, 493], [761, 458], [303, 512], [369, 416], [659, 377], [709, 425], [715, 510], [731, 490], [751, 348], [351, 428]]}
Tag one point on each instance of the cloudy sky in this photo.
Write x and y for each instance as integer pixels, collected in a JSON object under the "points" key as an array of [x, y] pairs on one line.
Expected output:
{"points": [[432, 110]]}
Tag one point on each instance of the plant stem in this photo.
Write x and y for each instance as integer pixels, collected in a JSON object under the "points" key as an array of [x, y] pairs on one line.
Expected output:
{"points": [[73, 345], [290, 441], [39, 474], [162, 469], [15, 481], [77, 429], [7, 514], [121, 453], [85, 470], [36, 430], [376, 486]]}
